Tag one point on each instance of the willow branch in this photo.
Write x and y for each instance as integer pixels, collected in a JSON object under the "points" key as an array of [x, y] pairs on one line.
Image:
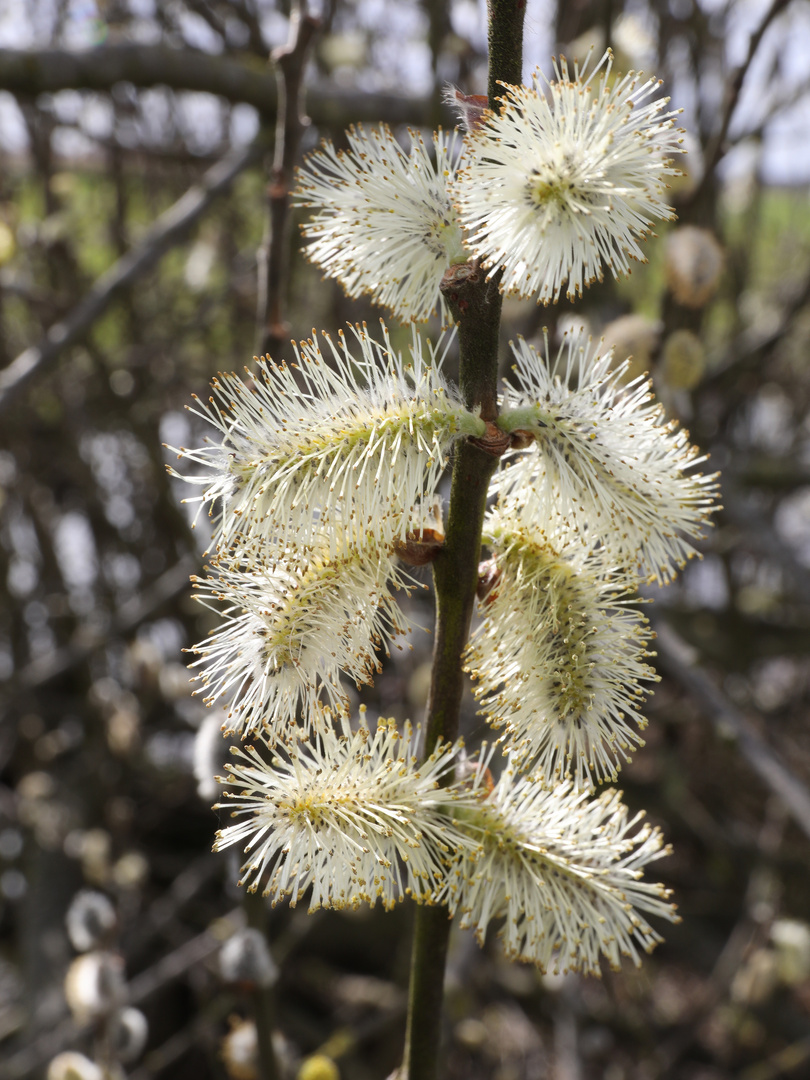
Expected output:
{"points": [[28, 1060], [475, 304], [170, 584]]}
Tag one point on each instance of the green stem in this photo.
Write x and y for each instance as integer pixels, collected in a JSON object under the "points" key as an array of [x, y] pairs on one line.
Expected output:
{"points": [[476, 307], [505, 45], [455, 573]]}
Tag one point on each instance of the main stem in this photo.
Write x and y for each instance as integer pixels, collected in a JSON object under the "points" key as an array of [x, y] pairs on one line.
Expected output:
{"points": [[476, 307]]}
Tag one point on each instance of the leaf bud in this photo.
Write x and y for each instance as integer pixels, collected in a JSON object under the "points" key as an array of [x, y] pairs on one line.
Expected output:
{"points": [[245, 959]]}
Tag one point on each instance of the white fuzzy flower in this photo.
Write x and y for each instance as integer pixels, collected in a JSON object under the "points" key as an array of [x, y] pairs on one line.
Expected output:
{"points": [[559, 659], [563, 871], [291, 626], [604, 456], [357, 439], [384, 223], [354, 815], [567, 178]]}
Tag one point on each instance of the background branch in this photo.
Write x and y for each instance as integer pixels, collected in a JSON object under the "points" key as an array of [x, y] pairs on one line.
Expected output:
{"points": [[47, 71], [677, 659], [170, 229], [716, 149]]}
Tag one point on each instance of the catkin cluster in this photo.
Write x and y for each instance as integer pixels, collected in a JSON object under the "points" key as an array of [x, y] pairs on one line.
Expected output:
{"points": [[327, 474]]}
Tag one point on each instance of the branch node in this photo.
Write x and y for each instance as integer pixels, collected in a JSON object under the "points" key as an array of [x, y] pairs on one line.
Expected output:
{"points": [[494, 441], [420, 548]]}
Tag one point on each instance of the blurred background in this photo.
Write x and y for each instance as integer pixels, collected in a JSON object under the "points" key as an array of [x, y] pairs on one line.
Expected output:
{"points": [[137, 145]]}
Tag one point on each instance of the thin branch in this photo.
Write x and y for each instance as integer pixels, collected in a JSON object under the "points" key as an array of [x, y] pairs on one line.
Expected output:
{"points": [[213, 19], [274, 274], [165, 909], [169, 230], [567, 1058], [759, 534], [676, 658], [182, 959], [198, 1032], [47, 71], [253, 24], [748, 350], [789, 1060], [274, 256], [263, 998], [749, 934], [772, 111]]}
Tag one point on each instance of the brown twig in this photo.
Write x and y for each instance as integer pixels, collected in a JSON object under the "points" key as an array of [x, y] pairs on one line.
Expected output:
{"points": [[749, 933], [46, 71], [476, 306], [131, 614], [274, 256]]}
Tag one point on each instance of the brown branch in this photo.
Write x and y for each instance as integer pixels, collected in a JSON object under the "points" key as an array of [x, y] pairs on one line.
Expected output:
{"points": [[47, 71], [775, 107], [250, 20], [198, 1032], [182, 959], [759, 534], [214, 20], [750, 933], [170, 229], [274, 274], [274, 257]]}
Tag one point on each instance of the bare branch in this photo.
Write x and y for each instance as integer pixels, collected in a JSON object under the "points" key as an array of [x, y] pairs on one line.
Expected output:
{"points": [[178, 962], [31, 1058], [46, 71], [249, 18]]}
